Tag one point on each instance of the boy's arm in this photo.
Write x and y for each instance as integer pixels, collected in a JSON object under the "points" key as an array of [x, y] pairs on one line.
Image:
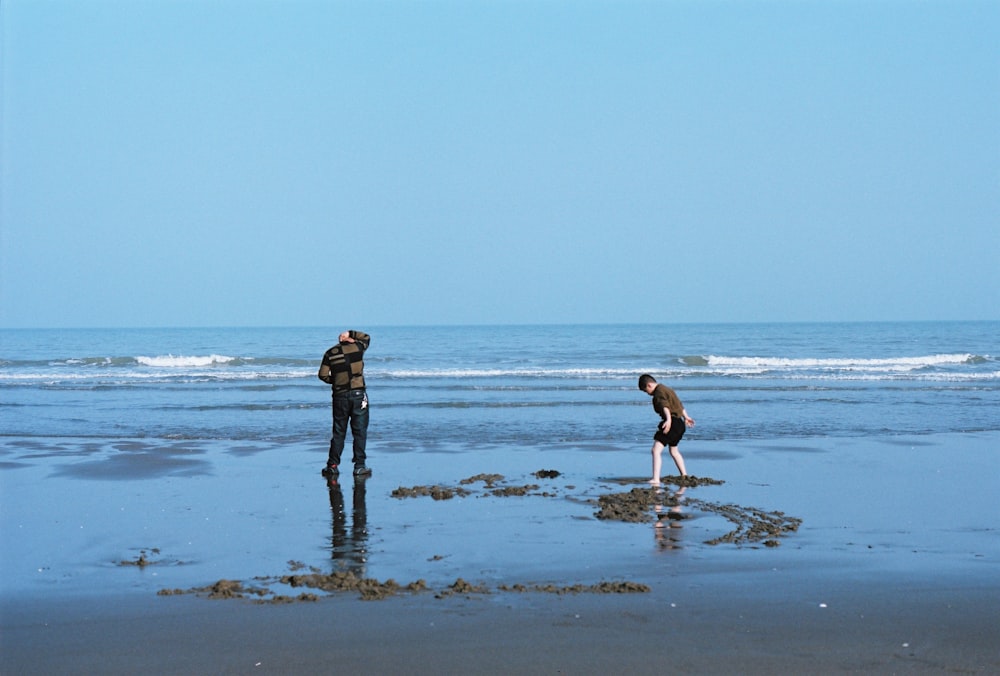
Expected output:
{"points": [[667, 420], [664, 409]]}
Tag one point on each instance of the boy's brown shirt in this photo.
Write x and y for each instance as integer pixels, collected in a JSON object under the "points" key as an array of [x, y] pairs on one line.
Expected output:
{"points": [[665, 399]]}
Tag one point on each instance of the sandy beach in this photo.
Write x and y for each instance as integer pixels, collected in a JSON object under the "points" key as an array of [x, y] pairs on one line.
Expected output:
{"points": [[887, 561]]}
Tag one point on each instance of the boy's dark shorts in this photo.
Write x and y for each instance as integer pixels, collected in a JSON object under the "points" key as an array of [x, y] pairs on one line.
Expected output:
{"points": [[673, 436]]}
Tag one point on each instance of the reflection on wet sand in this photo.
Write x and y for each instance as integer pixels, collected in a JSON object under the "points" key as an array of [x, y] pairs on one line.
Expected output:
{"points": [[669, 514], [349, 549]]}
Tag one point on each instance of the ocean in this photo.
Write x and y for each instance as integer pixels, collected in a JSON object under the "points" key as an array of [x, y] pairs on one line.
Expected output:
{"points": [[471, 386]]}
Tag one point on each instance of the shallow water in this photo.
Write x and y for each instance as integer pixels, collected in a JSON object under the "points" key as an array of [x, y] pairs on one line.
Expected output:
{"points": [[74, 518]]}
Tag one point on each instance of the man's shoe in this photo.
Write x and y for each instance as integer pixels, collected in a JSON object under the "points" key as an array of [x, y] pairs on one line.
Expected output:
{"points": [[331, 470], [361, 470]]}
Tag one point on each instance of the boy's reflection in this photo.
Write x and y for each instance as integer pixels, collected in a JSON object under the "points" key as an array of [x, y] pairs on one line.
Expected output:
{"points": [[667, 529], [349, 549]]}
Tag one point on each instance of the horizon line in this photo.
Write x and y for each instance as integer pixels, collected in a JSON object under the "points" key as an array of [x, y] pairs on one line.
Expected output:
{"points": [[490, 325]]}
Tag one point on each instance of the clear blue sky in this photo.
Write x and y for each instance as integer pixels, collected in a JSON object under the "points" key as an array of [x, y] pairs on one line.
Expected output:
{"points": [[241, 162]]}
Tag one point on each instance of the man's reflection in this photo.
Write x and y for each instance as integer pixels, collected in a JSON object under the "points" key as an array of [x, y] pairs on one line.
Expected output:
{"points": [[667, 529], [349, 548]]}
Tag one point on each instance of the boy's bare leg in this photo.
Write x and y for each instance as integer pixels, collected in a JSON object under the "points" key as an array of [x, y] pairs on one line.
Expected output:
{"points": [[678, 459], [657, 452]]}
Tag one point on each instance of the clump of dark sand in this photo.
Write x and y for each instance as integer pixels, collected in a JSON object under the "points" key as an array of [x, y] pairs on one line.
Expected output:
{"points": [[142, 560], [372, 590], [689, 481], [491, 484], [341, 581], [513, 491], [223, 589], [460, 586], [600, 588], [232, 589], [436, 492], [488, 479], [753, 525], [636, 506], [631, 507]]}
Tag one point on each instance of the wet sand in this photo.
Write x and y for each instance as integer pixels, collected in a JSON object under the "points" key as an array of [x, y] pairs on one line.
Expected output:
{"points": [[818, 556], [728, 628]]}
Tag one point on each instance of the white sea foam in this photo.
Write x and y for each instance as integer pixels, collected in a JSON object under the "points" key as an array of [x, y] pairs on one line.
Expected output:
{"points": [[500, 373], [889, 364], [714, 365], [171, 361]]}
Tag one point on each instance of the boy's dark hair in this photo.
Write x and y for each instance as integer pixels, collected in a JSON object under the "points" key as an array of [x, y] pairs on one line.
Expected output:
{"points": [[645, 379]]}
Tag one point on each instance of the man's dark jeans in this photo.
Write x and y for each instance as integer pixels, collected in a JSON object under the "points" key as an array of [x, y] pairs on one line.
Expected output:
{"points": [[349, 407]]}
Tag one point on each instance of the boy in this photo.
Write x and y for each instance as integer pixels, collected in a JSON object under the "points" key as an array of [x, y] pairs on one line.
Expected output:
{"points": [[674, 422]]}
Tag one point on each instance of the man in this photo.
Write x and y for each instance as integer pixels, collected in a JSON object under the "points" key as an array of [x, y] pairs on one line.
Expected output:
{"points": [[343, 368], [674, 421]]}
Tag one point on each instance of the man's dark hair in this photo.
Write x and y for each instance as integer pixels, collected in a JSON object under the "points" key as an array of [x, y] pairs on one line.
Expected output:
{"points": [[645, 379]]}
